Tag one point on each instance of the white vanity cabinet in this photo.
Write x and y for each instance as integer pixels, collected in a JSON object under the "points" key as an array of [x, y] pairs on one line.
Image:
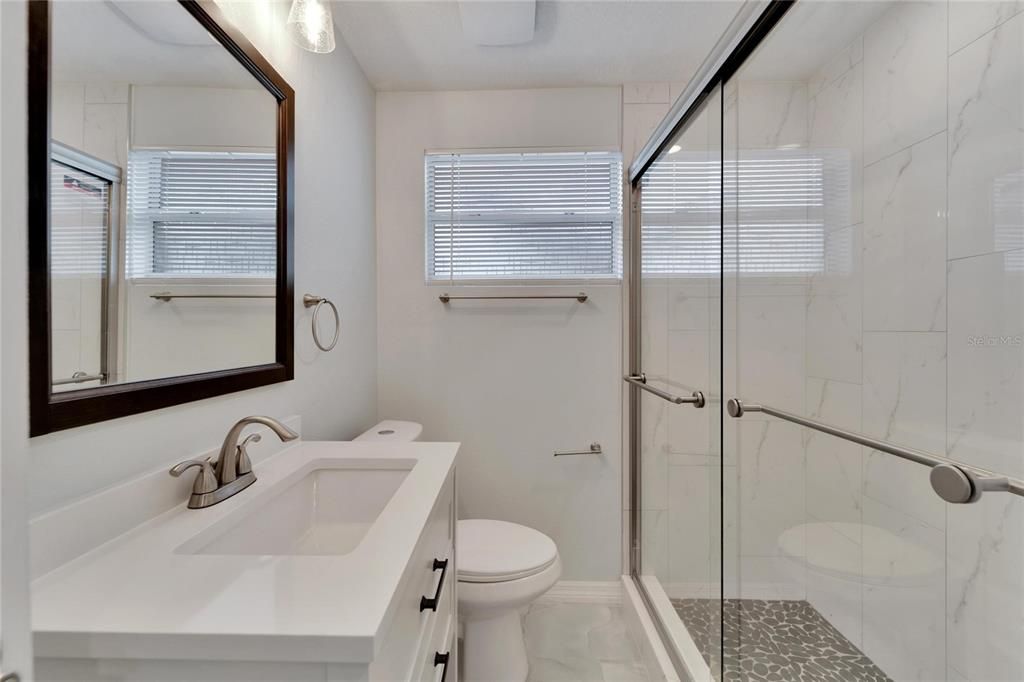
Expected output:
{"points": [[384, 611], [425, 613]]}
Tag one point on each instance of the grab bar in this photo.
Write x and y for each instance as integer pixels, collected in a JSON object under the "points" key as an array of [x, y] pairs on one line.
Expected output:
{"points": [[79, 378], [953, 481], [594, 449], [445, 297], [640, 381], [167, 296]]}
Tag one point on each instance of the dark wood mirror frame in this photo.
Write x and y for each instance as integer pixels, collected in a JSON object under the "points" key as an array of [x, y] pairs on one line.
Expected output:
{"points": [[53, 412]]}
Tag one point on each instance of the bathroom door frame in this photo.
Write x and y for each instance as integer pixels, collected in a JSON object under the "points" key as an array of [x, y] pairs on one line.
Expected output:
{"points": [[754, 22]]}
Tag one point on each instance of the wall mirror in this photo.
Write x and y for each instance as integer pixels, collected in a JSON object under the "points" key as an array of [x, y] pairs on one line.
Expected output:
{"points": [[160, 173]]}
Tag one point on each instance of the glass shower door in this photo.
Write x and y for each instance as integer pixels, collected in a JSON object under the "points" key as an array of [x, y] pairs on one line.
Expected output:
{"points": [[679, 354], [874, 241]]}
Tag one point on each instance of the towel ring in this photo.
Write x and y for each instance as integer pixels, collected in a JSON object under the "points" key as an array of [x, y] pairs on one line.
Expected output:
{"points": [[315, 302]]}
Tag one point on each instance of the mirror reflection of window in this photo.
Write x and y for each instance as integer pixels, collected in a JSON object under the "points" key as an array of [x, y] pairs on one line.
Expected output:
{"points": [[201, 214], [164, 220]]}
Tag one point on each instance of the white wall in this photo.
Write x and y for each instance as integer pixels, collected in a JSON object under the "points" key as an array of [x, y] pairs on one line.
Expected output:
{"points": [[513, 381], [14, 462], [334, 256]]}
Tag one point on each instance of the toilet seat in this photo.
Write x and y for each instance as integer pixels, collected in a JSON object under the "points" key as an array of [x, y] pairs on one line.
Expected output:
{"points": [[492, 551]]}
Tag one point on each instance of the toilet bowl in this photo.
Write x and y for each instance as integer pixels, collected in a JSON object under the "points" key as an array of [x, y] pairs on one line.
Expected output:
{"points": [[501, 568]]}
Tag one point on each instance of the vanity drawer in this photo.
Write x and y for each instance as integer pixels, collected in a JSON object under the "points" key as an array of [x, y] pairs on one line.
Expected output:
{"points": [[412, 627], [440, 650]]}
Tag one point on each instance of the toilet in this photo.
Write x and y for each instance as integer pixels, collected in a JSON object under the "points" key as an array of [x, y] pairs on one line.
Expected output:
{"points": [[501, 567]]}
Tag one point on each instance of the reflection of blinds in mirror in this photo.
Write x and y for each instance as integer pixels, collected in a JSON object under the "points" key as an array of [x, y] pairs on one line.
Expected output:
{"points": [[79, 222], [783, 199], [202, 214], [522, 216]]}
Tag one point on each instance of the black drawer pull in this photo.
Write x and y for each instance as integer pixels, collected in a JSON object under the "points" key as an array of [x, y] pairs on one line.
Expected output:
{"points": [[431, 603], [442, 659]]}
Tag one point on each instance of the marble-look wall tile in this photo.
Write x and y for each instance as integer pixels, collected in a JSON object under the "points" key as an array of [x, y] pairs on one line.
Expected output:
{"points": [[986, 362], [834, 483], [638, 122], [67, 120], [904, 402], [654, 452], [645, 93], [772, 114], [985, 597], [834, 584], [107, 93], [837, 134], [904, 77], [833, 310], [985, 588], [986, 145], [845, 59], [770, 351], [905, 239], [970, 19], [66, 352], [689, 307], [105, 134], [654, 449], [654, 545], [904, 594], [771, 493], [689, 371], [691, 517]]}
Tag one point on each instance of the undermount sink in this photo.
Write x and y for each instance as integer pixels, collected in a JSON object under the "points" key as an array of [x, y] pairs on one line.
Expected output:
{"points": [[328, 511]]}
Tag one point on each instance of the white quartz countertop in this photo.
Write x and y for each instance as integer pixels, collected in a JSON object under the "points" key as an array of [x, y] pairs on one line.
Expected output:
{"points": [[142, 596]]}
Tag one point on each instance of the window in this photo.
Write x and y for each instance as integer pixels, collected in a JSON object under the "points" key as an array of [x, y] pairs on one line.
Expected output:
{"points": [[787, 198], [524, 216], [201, 214]]}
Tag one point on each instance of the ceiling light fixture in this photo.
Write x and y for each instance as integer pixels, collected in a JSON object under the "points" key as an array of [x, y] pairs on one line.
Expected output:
{"points": [[311, 26], [674, 148]]}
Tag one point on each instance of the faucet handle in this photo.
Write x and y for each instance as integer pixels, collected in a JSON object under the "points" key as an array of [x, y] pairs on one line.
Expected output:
{"points": [[244, 463], [206, 479]]}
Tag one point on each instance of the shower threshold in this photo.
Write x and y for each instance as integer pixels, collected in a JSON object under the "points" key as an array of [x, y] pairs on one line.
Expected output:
{"points": [[774, 640]]}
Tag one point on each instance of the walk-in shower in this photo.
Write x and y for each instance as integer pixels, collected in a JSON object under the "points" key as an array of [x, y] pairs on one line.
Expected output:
{"points": [[828, 244]]}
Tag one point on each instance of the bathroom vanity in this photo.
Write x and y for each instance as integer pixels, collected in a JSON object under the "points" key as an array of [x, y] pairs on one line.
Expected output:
{"points": [[338, 563]]}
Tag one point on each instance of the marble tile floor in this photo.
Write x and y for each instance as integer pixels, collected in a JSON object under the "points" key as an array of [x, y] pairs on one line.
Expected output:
{"points": [[775, 641], [572, 642]]}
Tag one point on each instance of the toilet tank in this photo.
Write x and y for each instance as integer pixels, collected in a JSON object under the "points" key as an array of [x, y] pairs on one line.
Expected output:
{"points": [[392, 430]]}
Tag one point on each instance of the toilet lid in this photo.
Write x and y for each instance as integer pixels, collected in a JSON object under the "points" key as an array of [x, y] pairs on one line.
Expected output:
{"points": [[495, 551]]}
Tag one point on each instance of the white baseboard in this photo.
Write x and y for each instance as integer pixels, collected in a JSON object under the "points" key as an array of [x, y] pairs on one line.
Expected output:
{"points": [[606, 592]]}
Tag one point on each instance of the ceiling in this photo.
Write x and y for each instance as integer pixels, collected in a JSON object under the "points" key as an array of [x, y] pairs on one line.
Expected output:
{"points": [[144, 43], [420, 45]]}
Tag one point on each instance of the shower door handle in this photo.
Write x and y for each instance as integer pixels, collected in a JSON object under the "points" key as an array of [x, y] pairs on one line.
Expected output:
{"points": [[640, 381]]}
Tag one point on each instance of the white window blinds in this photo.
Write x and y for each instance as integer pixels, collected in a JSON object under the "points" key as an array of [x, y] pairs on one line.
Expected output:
{"points": [[201, 214], [785, 198], [79, 222], [524, 216]]}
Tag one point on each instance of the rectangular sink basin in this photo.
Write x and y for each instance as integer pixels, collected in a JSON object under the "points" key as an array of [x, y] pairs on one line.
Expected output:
{"points": [[326, 512]]}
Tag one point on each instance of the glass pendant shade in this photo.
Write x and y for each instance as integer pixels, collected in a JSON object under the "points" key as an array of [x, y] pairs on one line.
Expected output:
{"points": [[310, 25]]}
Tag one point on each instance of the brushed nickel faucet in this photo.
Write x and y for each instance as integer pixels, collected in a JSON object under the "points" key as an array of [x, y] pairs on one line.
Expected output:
{"points": [[232, 472]]}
